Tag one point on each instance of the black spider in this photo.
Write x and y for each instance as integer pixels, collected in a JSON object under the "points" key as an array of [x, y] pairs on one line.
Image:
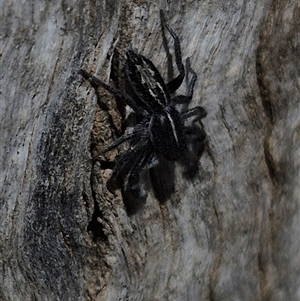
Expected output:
{"points": [[160, 130]]}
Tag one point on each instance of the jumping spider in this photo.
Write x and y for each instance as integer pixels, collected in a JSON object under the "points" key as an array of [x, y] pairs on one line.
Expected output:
{"points": [[160, 130]]}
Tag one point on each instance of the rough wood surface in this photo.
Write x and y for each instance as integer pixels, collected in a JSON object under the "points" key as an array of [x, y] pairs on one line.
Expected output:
{"points": [[230, 234]]}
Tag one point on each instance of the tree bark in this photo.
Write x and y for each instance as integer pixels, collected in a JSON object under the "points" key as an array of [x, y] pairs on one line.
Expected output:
{"points": [[231, 233]]}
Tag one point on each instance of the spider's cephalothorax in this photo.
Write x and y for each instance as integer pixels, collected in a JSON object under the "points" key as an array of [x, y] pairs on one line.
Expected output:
{"points": [[160, 130]]}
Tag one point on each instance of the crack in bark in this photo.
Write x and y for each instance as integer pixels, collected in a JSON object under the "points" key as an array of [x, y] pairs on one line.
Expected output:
{"points": [[264, 66], [263, 85], [218, 257], [270, 164]]}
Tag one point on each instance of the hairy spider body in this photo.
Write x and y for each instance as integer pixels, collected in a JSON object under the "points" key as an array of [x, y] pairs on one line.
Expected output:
{"points": [[160, 130]]}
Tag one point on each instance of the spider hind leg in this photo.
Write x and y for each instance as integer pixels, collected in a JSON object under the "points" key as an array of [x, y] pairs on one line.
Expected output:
{"points": [[124, 165], [198, 111], [196, 140], [175, 83], [190, 84]]}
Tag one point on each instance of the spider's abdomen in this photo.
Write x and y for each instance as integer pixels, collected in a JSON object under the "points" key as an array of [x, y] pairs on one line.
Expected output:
{"points": [[146, 82], [167, 133]]}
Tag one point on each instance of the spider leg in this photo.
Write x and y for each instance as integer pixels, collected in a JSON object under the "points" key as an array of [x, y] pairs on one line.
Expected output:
{"points": [[195, 135], [132, 187], [117, 142], [96, 83], [190, 84], [125, 161], [196, 111], [175, 83], [165, 44], [196, 140], [185, 99], [121, 168]]}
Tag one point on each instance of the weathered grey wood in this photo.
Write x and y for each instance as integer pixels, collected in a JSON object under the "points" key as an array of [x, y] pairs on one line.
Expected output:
{"points": [[230, 234]]}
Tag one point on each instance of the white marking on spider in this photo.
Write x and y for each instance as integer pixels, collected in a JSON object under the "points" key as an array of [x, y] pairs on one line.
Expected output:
{"points": [[173, 128]]}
